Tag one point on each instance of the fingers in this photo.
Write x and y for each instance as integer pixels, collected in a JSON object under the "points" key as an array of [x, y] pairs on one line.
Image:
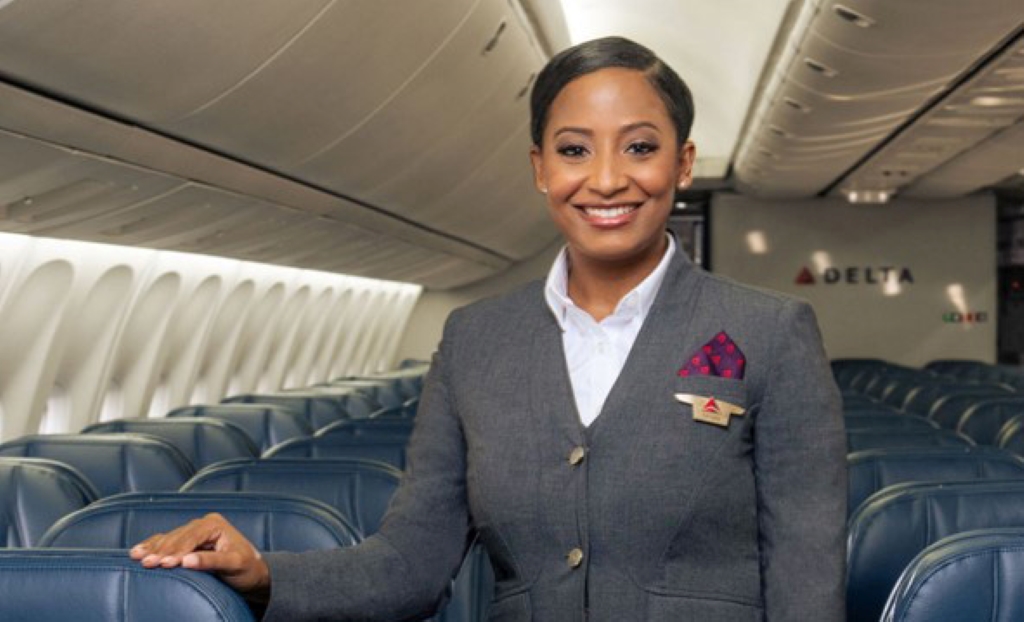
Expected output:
{"points": [[209, 544], [167, 550]]}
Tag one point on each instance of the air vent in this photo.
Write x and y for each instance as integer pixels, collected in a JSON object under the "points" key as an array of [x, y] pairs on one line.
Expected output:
{"points": [[855, 18], [794, 104], [819, 67], [495, 39]]}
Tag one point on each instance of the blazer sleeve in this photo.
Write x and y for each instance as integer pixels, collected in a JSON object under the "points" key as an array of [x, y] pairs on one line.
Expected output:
{"points": [[404, 570], [800, 470]]}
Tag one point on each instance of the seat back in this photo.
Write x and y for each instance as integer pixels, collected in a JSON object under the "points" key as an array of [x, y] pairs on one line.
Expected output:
{"points": [[51, 585], [1011, 436], [871, 471], [969, 577], [983, 421], [272, 522], [318, 409], [889, 421], [34, 494], [113, 463], [386, 391], [894, 525], [949, 410], [264, 424], [864, 439], [359, 489], [345, 443], [927, 397], [203, 441]]}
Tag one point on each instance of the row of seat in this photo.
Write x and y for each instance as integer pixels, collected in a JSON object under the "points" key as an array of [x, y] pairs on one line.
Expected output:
{"points": [[922, 478], [340, 500]]}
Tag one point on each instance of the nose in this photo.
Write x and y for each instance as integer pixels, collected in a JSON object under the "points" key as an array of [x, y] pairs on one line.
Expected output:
{"points": [[607, 176]]}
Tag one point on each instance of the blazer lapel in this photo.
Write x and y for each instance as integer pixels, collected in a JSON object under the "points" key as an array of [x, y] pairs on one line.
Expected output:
{"points": [[657, 344], [551, 396]]}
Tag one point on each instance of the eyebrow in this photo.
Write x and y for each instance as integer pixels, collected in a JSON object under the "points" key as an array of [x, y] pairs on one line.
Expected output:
{"points": [[625, 128]]}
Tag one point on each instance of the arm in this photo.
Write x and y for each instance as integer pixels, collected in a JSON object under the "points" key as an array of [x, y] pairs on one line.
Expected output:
{"points": [[800, 468], [404, 569], [401, 572]]}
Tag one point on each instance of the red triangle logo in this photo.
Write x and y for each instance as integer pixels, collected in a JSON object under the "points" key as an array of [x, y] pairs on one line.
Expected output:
{"points": [[805, 277], [711, 406]]}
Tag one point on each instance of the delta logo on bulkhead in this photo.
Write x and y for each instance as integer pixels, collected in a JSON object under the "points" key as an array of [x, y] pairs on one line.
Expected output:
{"points": [[856, 275]]}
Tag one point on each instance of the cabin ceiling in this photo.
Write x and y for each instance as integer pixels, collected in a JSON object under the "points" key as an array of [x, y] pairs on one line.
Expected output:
{"points": [[920, 97], [384, 139], [388, 139]]}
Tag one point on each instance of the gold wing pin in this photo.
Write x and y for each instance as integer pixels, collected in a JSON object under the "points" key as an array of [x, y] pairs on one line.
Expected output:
{"points": [[710, 410]]}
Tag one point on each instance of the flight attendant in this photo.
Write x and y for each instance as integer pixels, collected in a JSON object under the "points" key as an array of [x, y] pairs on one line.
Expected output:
{"points": [[632, 439]]}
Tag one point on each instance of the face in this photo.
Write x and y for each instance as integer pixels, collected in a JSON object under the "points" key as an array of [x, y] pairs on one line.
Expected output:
{"points": [[610, 165]]}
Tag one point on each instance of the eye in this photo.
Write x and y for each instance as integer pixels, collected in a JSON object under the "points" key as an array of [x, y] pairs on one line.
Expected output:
{"points": [[572, 151], [642, 147]]}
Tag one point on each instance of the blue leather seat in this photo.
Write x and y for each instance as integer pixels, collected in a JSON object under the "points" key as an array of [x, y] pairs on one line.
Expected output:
{"points": [[853, 401], [272, 522], [386, 391], [359, 489], [970, 577], [1011, 436], [859, 420], [319, 409], [34, 493], [948, 411], [265, 425], [894, 525], [928, 398], [58, 585], [203, 441], [865, 439], [472, 589], [983, 421], [871, 471], [113, 463], [347, 442]]}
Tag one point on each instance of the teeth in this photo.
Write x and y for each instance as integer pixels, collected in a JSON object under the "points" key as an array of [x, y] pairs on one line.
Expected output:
{"points": [[609, 212]]}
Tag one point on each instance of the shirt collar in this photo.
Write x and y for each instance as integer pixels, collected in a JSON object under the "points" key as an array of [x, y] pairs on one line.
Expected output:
{"points": [[556, 288]]}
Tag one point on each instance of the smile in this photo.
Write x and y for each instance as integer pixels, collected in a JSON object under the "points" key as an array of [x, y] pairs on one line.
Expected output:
{"points": [[609, 212]]}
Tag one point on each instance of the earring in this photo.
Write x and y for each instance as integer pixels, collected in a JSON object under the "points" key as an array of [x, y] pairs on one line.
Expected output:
{"points": [[543, 190]]}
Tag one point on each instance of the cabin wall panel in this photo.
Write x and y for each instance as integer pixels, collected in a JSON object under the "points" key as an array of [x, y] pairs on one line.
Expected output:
{"points": [[93, 332], [908, 281]]}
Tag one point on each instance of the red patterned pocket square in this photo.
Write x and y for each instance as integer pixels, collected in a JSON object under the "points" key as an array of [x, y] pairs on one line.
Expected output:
{"points": [[718, 357]]}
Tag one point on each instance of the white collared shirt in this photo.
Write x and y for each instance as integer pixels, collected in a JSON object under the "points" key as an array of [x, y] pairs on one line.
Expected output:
{"points": [[595, 352]]}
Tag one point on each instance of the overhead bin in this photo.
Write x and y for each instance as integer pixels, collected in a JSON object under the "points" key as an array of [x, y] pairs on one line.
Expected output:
{"points": [[381, 139]]}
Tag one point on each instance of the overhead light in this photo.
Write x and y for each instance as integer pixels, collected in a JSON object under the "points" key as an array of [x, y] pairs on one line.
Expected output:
{"points": [[757, 242], [988, 101], [869, 197]]}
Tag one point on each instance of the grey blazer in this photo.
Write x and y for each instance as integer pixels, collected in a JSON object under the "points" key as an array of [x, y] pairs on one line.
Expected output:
{"points": [[664, 519]]}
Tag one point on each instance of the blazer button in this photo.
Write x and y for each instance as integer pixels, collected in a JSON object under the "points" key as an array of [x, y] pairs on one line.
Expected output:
{"points": [[575, 558], [576, 455]]}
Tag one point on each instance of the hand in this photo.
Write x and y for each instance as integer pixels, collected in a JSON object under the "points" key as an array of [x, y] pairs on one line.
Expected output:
{"points": [[210, 544]]}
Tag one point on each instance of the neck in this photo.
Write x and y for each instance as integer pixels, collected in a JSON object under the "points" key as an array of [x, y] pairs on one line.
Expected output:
{"points": [[597, 286]]}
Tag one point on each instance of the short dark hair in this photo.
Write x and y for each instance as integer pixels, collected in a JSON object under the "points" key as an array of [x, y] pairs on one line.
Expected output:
{"points": [[591, 56]]}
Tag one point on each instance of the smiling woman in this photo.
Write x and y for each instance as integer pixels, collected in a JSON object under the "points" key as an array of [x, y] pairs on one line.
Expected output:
{"points": [[633, 439]]}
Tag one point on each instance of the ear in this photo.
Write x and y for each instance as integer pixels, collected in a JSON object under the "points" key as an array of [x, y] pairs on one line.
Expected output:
{"points": [[687, 156], [537, 160]]}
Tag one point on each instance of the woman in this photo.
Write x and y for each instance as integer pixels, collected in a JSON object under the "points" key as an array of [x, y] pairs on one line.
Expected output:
{"points": [[633, 439]]}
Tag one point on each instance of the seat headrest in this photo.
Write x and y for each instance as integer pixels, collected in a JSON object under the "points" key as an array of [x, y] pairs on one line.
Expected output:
{"points": [[113, 463], [983, 421], [895, 524], [62, 584], [870, 471], [203, 441], [265, 424], [389, 450], [34, 494], [271, 522], [318, 409], [963, 577], [361, 490], [865, 439]]}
